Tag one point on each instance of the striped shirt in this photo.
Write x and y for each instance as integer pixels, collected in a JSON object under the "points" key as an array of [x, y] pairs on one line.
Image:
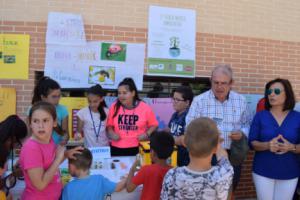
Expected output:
{"points": [[231, 115]]}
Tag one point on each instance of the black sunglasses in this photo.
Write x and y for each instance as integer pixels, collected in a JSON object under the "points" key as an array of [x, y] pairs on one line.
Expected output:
{"points": [[277, 91], [10, 180]]}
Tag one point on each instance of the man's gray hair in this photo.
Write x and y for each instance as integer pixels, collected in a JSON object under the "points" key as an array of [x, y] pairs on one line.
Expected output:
{"points": [[223, 68]]}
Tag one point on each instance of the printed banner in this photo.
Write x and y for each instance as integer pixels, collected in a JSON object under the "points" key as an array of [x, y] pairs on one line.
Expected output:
{"points": [[95, 63], [14, 56], [171, 42], [65, 29]]}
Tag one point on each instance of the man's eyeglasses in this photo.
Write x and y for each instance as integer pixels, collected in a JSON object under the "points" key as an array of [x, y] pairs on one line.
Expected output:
{"points": [[177, 100], [220, 83], [276, 91]]}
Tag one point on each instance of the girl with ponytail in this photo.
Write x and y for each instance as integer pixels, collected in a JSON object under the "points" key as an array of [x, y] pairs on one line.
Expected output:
{"points": [[92, 119], [130, 120], [48, 90]]}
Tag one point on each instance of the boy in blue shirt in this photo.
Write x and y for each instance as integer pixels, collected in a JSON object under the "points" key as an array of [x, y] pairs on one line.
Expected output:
{"points": [[85, 186]]}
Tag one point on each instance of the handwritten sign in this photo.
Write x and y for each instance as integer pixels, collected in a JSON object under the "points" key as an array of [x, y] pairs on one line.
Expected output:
{"points": [[84, 66], [7, 102], [14, 56], [65, 29]]}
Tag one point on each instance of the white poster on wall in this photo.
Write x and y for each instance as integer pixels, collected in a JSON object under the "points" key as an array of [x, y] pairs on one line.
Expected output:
{"points": [[65, 29], [95, 63], [171, 41]]}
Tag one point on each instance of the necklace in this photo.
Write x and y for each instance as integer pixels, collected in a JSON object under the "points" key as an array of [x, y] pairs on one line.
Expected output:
{"points": [[97, 133]]}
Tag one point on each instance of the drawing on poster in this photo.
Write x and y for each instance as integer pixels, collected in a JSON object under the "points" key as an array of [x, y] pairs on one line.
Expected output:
{"points": [[113, 52], [174, 47], [103, 75]]}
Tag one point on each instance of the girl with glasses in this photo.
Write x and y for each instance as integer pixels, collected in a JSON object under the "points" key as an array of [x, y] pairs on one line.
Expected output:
{"points": [[182, 99]]}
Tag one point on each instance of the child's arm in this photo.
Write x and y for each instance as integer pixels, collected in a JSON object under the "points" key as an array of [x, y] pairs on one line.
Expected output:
{"points": [[225, 179], [41, 178], [130, 186], [121, 185], [110, 133], [220, 151]]}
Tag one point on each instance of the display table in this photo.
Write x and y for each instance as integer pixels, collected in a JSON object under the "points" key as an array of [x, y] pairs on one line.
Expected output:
{"points": [[114, 169]]}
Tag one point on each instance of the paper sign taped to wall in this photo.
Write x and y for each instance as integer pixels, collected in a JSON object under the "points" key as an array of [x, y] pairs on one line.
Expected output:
{"points": [[14, 56], [7, 102]]}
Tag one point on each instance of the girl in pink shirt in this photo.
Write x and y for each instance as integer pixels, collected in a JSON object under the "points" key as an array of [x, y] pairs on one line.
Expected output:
{"points": [[40, 157], [130, 120]]}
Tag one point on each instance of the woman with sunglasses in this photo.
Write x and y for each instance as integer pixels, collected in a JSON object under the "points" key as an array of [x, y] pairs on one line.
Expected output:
{"points": [[130, 120], [275, 137]]}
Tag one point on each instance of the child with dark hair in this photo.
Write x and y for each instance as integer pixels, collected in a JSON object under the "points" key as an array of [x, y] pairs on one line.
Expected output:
{"points": [[129, 121], [12, 130], [40, 157], [200, 179], [92, 119], [85, 186], [151, 176], [48, 90], [182, 99]]}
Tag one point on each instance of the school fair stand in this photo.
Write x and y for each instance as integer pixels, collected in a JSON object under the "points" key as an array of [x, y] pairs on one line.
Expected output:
{"points": [[113, 168]]}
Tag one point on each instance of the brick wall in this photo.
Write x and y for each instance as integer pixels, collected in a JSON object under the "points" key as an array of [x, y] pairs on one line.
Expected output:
{"points": [[254, 61], [272, 19]]}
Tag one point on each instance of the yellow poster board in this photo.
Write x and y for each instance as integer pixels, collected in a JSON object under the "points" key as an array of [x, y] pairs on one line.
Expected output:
{"points": [[8, 104], [74, 104], [14, 56]]}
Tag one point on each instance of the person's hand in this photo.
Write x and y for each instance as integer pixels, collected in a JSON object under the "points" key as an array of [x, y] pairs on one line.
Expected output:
{"points": [[235, 135], [221, 152], [285, 146], [71, 152], [114, 136], [60, 153], [273, 144], [77, 136], [135, 165], [65, 139], [179, 140], [143, 137], [17, 171]]}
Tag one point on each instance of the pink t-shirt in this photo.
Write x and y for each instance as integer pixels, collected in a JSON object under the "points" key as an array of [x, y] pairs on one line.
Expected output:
{"points": [[130, 123], [36, 155]]}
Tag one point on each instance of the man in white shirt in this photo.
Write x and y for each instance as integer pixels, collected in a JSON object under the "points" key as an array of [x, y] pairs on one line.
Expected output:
{"points": [[227, 108]]}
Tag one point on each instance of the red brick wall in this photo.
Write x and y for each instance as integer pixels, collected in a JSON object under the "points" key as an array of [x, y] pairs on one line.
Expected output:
{"points": [[254, 61]]}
